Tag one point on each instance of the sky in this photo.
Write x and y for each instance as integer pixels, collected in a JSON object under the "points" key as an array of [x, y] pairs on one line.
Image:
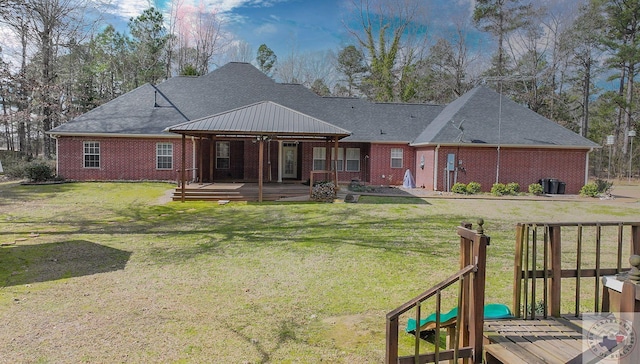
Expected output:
{"points": [[288, 25]]}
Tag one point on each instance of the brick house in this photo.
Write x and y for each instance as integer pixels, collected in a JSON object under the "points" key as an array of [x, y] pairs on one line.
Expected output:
{"points": [[147, 133]]}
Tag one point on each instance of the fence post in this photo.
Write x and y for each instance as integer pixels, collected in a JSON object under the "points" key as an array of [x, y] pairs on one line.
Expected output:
{"points": [[555, 241], [476, 325]]}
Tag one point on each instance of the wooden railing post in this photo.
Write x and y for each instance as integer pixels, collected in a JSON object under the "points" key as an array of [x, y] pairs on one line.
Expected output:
{"points": [[517, 269], [476, 325], [555, 242], [391, 355]]}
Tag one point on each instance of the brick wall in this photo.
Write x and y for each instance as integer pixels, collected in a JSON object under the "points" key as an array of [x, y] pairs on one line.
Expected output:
{"points": [[523, 166], [125, 159]]}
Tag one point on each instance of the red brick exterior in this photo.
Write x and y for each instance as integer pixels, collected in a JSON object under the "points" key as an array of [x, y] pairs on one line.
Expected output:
{"points": [[135, 159], [520, 165], [125, 159]]}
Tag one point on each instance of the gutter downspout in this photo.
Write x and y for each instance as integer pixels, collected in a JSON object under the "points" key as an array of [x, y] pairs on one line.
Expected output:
{"points": [[586, 167], [435, 168]]}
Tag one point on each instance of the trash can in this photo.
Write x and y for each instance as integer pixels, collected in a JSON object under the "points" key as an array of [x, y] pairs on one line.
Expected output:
{"points": [[545, 185], [553, 185], [561, 187]]}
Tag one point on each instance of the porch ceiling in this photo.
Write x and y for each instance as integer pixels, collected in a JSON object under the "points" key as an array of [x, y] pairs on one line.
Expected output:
{"points": [[265, 118]]}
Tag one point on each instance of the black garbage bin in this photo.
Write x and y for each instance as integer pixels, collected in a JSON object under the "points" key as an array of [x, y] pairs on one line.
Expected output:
{"points": [[553, 185], [545, 185], [561, 187]]}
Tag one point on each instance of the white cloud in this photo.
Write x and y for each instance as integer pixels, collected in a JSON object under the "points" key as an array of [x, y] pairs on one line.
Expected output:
{"points": [[266, 29]]}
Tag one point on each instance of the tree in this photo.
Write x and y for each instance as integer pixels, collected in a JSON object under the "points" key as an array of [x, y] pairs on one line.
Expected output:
{"points": [[387, 33], [500, 18], [197, 36], [320, 88], [351, 64], [266, 59], [149, 41]]}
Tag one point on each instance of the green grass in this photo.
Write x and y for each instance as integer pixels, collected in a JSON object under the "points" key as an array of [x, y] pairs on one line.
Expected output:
{"points": [[113, 276]]}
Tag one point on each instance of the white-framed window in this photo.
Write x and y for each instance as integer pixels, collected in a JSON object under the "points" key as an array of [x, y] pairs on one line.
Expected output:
{"points": [[353, 160], [396, 157], [91, 154], [164, 156], [319, 158], [223, 154]]}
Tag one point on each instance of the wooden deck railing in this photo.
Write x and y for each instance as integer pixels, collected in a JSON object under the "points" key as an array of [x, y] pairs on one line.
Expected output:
{"points": [[466, 338], [545, 256]]}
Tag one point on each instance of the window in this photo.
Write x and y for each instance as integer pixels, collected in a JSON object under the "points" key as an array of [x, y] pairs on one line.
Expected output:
{"points": [[222, 155], [91, 154], [353, 159], [319, 158], [396, 157], [164, 156], [340, 158]]}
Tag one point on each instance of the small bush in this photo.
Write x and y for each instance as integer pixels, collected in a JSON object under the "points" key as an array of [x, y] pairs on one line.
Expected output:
{"points": [[604, 186], [473, 188], [499, 189], [39, 171], [459, 187], [512, 188], [590, 190], [536, 189]]}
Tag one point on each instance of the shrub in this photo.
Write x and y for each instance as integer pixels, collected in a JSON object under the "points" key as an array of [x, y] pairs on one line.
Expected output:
{"points": [[473, 188], [38, 171], [536, 189], [603, 186], [459, 187], [590, 190], [498, 189], [512, 188]]}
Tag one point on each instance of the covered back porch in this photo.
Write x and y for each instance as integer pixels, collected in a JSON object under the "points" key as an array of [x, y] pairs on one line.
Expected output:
{"points": [[255, 126]]}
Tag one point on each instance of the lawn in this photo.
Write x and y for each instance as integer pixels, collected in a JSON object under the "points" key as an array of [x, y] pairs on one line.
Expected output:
{"points": [[103, 272]]}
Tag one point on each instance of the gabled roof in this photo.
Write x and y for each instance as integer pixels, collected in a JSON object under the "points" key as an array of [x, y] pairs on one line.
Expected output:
{"points": [[483, 116], [262, 118]]}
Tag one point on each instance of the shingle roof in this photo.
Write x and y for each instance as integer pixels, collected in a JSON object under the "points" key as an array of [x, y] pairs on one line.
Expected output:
{"points": [[150, 110], [486, 117], [263, 118]]}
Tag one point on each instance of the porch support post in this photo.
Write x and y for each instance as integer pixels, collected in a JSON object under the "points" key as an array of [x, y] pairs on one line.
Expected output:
{"points": [[183, 174], [280, 157], [327, 157], [260, 167], [211, 157], [335, 162], [200, 160]]}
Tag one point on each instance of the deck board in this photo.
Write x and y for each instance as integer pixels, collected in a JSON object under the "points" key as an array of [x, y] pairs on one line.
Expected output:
{"points": [[535, 341]]}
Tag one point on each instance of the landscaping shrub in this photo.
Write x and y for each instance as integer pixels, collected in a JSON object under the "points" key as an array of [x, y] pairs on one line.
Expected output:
{"points": [[512, 188], [536, 189], [473, 188], [590, 190], [459, 187], [499, 189], [597, 188], [39, 171]]}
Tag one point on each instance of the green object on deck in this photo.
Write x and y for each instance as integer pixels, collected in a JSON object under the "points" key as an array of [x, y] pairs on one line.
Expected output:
{"points": [[491, 311]]}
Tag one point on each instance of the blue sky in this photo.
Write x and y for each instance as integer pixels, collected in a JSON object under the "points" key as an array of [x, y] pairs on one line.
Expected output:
{"points": [[286, 25]]}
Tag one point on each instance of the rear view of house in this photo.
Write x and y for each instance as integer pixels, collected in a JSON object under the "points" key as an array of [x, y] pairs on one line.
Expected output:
{"points": [[214, 126]]}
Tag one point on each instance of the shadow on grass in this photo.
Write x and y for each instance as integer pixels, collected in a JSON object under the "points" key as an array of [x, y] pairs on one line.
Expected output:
{"points": [[49, 262], [391, 200]]}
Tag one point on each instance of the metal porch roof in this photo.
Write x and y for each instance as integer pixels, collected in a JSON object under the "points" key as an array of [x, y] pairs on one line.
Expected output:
{"points": [[263, 118]]}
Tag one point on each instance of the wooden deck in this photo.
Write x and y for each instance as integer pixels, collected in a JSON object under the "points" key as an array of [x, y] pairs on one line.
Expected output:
{"points": [[551, 340], [241, 191]]}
